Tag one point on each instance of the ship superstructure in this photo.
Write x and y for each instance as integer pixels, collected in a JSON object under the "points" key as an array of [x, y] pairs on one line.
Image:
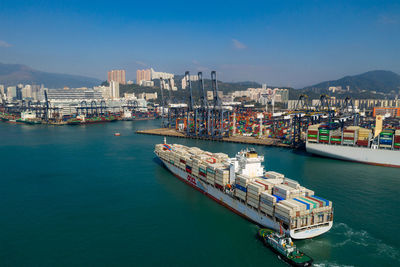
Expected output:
{"points": [[267, 198]]}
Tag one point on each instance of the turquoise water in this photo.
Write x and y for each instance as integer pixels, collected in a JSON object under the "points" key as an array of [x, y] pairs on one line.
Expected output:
{"points": [[81, 196]]}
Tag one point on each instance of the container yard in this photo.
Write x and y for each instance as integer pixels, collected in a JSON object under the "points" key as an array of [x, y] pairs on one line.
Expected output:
{"points": [[267, 198]]}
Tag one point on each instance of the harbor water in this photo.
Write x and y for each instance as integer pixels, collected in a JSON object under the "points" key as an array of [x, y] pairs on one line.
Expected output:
{"points": [[80, 196]]}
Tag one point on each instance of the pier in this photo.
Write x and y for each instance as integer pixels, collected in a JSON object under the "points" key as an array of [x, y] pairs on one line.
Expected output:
{"points": [[232, 139]]}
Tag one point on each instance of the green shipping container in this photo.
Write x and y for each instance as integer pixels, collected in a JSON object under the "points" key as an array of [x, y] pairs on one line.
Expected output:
{"points": [[309, 201], [336, 139], [312, 135], [324, 131], [324, 138]]}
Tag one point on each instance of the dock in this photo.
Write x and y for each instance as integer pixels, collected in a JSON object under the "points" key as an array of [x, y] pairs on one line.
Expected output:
{"points": [[233, 139]]}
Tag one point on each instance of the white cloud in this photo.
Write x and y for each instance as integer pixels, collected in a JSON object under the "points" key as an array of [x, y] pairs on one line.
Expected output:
{"points": [[4, 44], [238, 45]]}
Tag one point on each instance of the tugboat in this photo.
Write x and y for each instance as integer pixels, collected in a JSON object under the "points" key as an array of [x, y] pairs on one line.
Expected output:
{"points": [[284, 247]]}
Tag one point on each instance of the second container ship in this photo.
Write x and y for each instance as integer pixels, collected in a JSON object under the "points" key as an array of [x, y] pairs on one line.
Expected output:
{"points": [[267, 198], [372, 146]]}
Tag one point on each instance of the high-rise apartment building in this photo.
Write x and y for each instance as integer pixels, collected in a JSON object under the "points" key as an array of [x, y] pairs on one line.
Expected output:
{"points": [[27, 92], [11, 92], [143, 75], [118, 76]]}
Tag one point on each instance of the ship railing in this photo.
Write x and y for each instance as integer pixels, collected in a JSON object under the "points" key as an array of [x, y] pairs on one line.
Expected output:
{"points": [[301, 229]]}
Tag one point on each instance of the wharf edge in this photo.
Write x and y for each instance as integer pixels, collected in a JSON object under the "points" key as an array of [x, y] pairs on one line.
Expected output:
{"points": [[232, 139]]}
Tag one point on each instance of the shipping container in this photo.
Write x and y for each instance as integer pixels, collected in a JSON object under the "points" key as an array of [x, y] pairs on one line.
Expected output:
{"points": [[273, 175]]}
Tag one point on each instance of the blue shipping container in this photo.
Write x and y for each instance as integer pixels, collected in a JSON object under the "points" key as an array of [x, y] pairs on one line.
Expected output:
{"points": [[244, 189], [278, 198], [320, 198], [305, 203]]}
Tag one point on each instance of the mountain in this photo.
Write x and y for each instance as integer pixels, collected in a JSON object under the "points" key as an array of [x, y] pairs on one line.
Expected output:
{"points": [[377, 80], [13, 74]]}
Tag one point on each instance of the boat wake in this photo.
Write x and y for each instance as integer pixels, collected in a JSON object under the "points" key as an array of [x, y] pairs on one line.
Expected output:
{"points": [[330, 264], [343, 237], [364, 239]]}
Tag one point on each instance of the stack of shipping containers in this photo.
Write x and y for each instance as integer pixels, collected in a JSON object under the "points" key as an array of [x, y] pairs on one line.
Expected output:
{"points": [[273, 194], [386, 138], [364, 135], [350, 135], [397, 139]]}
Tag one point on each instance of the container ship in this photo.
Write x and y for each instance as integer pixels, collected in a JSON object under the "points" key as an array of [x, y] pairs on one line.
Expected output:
{"points": [[96, 119], [355, 143], [266, 198]]}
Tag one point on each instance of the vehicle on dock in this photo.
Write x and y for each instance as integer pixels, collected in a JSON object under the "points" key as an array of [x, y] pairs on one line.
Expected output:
{"points": [[284, 247]]}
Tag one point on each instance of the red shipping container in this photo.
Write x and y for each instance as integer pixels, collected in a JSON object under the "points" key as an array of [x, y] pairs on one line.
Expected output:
{"points": [[219, 186], [348, 138], [335, 142], [321, 204], [312, 132], [362, 142], [348, 131], [324, 141]]}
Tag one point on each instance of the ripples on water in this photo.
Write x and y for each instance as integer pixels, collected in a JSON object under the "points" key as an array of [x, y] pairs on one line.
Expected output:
{"points": [[123, 203]]}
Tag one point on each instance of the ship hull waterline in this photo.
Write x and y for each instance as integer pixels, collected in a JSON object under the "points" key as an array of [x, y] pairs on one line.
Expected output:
{"points": [[379, 157], [241, 208]]}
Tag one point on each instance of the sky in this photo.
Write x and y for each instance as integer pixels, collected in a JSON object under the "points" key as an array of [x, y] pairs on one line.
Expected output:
{"points": [[280, 43]]}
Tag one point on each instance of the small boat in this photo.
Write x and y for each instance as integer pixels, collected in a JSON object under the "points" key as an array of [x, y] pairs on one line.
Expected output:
{"points": [[117, 134], [284, 247]]}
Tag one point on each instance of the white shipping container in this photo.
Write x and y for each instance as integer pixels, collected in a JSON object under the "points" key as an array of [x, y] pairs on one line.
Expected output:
{"points": [[267, 211], [267, 185], [221, 179], [269, 197], [291, 183], [266, 207], [252, 196], [252, 192], [282, 189], [220, 183], [253, 204], [275, 181], [291, 205], [273, 175], [239, 195], [240, 192], [284, 208], [301, 206], [255, 187]]}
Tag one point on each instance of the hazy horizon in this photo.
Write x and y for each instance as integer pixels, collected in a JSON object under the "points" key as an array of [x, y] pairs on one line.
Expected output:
{"points": [[292, 44]]}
